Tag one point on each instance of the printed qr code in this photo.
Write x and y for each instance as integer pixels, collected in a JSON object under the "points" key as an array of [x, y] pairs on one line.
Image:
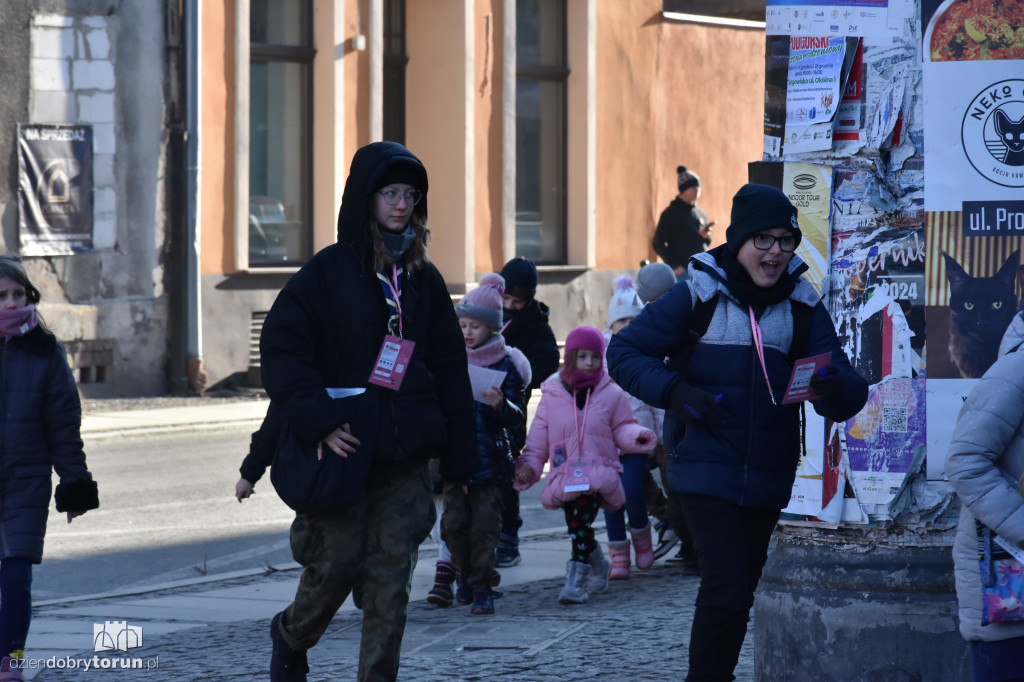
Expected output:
{"points": [[894, 419]]}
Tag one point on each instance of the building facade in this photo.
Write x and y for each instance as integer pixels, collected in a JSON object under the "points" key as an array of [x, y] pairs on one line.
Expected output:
{"points": [[551, 129]]}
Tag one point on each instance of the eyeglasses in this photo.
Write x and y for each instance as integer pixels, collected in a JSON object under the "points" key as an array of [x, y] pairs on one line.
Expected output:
{"points": [[392, 196], [764, 242]]}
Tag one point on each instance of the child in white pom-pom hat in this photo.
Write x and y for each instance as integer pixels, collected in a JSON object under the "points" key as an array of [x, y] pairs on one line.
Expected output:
{"points": [[625, 304]]}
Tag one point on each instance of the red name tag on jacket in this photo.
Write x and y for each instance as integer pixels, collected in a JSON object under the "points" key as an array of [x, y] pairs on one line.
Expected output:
{"points": [[389, 371]]}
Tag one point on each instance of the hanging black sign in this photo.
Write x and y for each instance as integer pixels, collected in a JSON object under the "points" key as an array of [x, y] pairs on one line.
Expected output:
{"points": [[55, 189]]}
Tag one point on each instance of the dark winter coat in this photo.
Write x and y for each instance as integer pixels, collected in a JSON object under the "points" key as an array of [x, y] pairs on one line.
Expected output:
{"points": [[677, 236], [40, 422], [529, 331], [751, 459], [326, 330], [493, 428]]}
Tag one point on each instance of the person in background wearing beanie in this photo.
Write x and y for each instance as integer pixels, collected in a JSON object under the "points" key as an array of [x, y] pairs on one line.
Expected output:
{"points": [[734, 447], [526, 328], [683, 229], [326, 331], [624, 305], [471, 521], [582, 422], [653, 280]]}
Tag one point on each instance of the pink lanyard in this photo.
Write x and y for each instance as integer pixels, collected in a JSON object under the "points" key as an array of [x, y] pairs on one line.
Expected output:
{"points": [[755, 329], [505, 326], [392, 285], [580, 428]]}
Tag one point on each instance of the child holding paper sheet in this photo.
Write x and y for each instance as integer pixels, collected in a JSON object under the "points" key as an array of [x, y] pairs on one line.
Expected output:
{"points": [[471, 522]]}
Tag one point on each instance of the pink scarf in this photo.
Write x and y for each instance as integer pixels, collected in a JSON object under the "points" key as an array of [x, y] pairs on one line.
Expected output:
{"points": [[19, 321], [576, 378], [489, 353]]}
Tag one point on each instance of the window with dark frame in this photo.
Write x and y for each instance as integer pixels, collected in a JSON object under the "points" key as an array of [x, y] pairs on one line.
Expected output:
{"points": [[395, 61], [542, 74], [281, 56]]}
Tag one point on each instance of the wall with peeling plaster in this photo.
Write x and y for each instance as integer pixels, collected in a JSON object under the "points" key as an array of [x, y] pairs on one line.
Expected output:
{"points": [[101, 63]]}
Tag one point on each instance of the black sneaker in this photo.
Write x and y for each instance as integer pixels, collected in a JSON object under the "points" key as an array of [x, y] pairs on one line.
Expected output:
{"points": [[483, 603], [507, 556], [667, 539], [285, 665]]}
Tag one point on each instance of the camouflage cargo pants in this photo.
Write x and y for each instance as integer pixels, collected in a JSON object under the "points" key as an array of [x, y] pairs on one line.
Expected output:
{"points": [[373, 545], [470, 526]]}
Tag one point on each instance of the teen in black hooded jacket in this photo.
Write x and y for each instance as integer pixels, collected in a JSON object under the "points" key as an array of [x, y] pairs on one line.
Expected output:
{"points": [[325, 331]]}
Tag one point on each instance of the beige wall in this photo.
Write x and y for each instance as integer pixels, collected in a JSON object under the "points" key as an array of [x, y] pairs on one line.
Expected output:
{"points": [[217, 137], [670, 93], [487, 97]]}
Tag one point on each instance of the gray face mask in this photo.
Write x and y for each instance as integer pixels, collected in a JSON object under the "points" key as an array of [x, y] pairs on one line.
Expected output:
{"points": [[398, 243]]}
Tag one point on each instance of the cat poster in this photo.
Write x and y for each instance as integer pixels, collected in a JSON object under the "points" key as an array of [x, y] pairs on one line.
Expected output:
{"points": [[973, 293]]}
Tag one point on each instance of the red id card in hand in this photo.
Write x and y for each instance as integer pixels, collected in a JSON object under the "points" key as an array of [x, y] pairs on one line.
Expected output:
{"points": [[800, 382], [392, 362]]}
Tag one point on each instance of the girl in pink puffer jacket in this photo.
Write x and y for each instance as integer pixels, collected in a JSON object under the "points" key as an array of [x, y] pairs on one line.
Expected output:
{"points": [[582, 422]]}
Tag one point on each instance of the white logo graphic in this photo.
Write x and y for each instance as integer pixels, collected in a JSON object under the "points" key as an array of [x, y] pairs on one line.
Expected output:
{"points": [[116, 635], [993, 132]]}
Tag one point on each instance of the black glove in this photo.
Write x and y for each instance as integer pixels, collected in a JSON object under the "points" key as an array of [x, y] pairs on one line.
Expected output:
{"points": [[826, 382], [690, 404]]}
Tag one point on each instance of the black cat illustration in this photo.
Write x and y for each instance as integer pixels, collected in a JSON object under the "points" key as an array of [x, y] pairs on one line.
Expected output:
{"points": [[980, 310], [1011, 133]]}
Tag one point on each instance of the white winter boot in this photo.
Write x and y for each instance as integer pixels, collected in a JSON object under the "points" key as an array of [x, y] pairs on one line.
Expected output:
{"points": [[577, 575]]}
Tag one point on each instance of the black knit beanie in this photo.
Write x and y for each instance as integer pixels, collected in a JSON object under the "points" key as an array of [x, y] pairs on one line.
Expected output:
{"points": [[756, 208], [687, 179], [520, 278], [407, 173]]}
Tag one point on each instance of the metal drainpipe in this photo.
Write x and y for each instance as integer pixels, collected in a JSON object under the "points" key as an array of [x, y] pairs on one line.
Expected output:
{"points": [[193, 310]]}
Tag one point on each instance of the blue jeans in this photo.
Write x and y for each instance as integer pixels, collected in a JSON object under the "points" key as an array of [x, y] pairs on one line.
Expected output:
{"points": [[998, 661], [633, 469]]}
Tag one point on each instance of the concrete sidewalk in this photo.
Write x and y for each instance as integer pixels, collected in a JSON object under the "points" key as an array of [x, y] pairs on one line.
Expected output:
{"points": [[216, 627]]}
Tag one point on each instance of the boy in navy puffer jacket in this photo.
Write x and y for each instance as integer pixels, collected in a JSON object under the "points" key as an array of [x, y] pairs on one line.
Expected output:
{"points": [[471, 522], [733, 446]]}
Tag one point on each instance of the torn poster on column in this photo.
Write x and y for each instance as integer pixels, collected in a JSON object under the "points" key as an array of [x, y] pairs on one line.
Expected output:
{"points": [[877, 301], [803, 80]]}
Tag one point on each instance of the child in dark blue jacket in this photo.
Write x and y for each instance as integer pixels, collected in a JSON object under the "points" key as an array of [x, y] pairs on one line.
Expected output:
{"points": [[734, 447], [471, 522]]}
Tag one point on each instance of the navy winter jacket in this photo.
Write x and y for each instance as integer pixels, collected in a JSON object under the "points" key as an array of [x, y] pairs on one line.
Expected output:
{"points": [[40, 423], [493, 428], [751, 459]]}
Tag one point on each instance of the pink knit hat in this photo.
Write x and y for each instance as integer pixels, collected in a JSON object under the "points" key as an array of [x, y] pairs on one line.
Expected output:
{"points": [[484, 302]]}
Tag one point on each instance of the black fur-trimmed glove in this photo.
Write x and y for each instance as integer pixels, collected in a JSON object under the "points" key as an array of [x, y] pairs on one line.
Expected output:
{"points": [[826, 382], [691, 404], [77, 496]]}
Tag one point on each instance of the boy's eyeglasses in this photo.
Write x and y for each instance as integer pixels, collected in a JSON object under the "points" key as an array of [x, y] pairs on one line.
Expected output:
{"points": [[764, 242], [392, 196]]}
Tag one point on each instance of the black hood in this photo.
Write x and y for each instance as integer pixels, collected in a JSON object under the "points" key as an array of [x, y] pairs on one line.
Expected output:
{"points": [[369, 165]]}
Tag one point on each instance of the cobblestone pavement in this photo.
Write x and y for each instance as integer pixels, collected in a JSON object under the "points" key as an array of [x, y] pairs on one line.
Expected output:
{"points": [[638, 630]]}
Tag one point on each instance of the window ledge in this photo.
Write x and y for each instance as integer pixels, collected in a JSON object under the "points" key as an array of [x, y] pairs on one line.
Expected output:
{"points": [[272, 270], [563, 268]]}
